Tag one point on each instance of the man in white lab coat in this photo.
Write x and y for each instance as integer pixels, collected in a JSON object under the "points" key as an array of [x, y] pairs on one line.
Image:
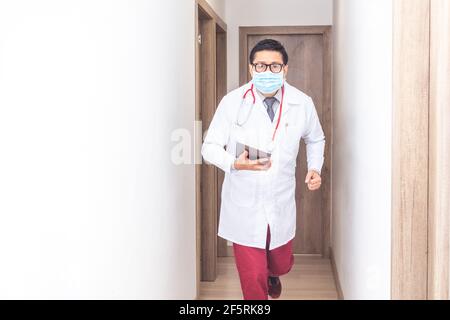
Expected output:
{"points": [[254, 138]]}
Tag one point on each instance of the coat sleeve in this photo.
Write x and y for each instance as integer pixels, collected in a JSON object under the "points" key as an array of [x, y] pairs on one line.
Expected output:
{"points": [[213, 148], [314, 138]]}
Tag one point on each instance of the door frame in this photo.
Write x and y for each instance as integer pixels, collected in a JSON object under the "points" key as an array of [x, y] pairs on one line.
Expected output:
{"points": [[421, 171], [211, 83], [326, 33], [439, 158]]}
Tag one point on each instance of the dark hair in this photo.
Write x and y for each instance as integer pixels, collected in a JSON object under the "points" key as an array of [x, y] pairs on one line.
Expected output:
{"points": [[270, 45]]}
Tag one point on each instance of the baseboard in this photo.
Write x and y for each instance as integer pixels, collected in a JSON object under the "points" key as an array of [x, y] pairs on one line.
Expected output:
{"points": [[336, 276]]}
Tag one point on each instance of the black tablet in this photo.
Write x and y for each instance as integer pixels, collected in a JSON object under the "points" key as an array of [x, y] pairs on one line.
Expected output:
{"points": [[253, 153]]}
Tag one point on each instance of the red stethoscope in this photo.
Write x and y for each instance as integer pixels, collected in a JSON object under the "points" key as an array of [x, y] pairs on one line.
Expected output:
{"points": [[254, 101]]}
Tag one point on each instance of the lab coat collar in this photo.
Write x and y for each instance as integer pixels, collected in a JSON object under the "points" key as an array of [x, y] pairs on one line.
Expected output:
{"points": [[277, 95], [261, 106], [291, 96]]}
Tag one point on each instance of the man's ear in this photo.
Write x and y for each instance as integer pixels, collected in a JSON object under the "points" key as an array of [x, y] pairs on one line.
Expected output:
{"points": [[250, 70], [286, 69]]}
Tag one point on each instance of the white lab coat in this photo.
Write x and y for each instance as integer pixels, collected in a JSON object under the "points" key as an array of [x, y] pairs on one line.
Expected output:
{"points": [[253, 200]]}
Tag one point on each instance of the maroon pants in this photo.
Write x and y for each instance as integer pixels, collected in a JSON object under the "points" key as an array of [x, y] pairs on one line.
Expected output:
{"points": [[256, 265]]}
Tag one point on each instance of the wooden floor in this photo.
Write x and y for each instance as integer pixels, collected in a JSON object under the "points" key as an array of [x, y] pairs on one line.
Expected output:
{"points": [[311, 278]]}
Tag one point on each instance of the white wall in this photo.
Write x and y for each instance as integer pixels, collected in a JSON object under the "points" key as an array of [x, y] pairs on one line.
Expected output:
{"points": [[269, 13], [362, 110], [91, 206], [219, 7]]}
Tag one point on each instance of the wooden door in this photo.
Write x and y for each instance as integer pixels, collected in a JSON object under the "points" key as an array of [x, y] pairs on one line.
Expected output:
{"points": [[210, 88], [309, 53]]}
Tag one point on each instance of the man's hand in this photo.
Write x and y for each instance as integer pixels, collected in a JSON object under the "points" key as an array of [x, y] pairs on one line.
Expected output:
{"points": [[313, 180], [244, 163]]}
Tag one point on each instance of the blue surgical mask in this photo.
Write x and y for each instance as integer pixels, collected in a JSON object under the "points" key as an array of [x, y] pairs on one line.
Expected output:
{"points": [[268, 82]]}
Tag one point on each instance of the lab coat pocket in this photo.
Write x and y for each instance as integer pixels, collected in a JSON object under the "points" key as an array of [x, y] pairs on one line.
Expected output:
{"points": [[243, 189]]}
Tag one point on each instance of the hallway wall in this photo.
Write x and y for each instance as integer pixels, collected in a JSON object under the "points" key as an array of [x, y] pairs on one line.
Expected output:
{"points": [[219, 7], [91, 204], [269, 13], [362, 112]]}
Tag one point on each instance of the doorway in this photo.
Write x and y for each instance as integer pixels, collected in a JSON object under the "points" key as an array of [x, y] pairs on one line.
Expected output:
{"points": [[310, 64], [211, 86], [312, 276], [309, 50]]}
